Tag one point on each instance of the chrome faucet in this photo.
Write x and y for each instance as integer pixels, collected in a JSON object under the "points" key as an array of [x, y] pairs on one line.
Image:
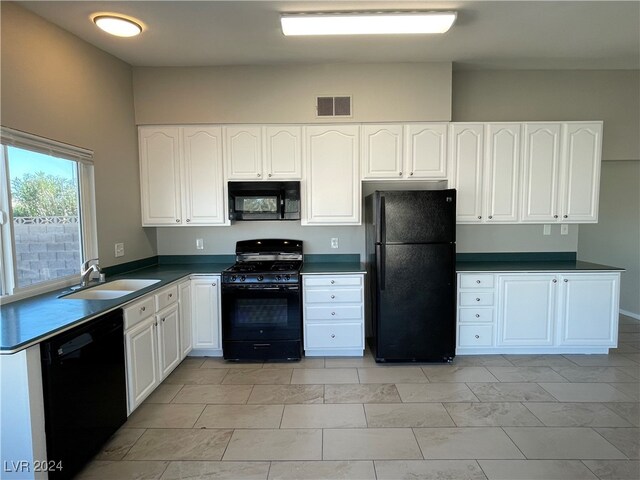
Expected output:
{"points": [[87, 269]]}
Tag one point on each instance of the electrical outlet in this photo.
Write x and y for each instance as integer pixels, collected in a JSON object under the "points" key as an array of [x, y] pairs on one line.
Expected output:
{"points": [[119, 249], [546, 230], [199, 244], [564, 229], [334, 243]]}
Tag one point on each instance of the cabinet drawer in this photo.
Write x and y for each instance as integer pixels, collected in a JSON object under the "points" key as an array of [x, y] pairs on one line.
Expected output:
{"points": [[475, 298], [334, 335], [476, 281], [337, 295], [332, 280], [475, 315], [475, 335], [136, 312], [166, 297], [333, 312]]}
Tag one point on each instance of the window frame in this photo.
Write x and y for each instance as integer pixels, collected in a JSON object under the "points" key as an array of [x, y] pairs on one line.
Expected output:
{"points": [[83, 158]]}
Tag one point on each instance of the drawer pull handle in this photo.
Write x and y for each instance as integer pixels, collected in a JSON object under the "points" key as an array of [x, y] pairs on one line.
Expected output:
{"points": [[333, 313], [477, 336], [566, 280], [478, 281], [170, 295], [143, 309], [333, 335], [477, 299], [477, 315], [332, 282], [555, 281], [213, 284], [333, 296]]}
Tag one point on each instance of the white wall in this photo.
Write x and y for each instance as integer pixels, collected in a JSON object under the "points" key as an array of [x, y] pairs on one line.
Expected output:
{"points": [[60, 87]]}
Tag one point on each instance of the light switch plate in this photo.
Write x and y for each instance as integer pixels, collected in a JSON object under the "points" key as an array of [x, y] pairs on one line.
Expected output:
{"points": [[119, 249], [199, 244], [564, 229], [334, 243], [546, 230]]}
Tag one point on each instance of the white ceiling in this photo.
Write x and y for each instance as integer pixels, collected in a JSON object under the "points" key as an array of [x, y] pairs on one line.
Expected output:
{"points": [[487, 34]]}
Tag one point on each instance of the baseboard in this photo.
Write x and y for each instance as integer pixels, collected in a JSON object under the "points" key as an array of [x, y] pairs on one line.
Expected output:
{"points": [[630, 314]]}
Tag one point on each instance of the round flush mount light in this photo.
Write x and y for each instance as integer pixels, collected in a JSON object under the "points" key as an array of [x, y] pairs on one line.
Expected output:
{"points": [[117, 25]]}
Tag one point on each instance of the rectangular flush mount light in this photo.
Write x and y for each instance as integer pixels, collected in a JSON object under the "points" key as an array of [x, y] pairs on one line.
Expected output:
{"points": [[366, 23]]}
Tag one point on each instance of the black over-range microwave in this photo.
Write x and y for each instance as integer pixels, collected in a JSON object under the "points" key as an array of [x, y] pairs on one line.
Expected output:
{"points": [[264, 200]]}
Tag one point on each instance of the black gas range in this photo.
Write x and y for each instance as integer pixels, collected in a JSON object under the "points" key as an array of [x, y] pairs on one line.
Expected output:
{"points": [[261, 301]]}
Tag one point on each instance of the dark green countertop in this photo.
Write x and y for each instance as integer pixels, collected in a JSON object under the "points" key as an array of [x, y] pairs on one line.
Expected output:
{"points": [[26, 322], [320, 268], [532, 266]]}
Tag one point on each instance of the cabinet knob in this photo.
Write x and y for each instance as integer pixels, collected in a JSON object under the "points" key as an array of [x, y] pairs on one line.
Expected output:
{"points": [[477, 299], [188, 220], [258, 175], [477, 281], [269, 175], [332, 282], [566, 280], [213, 284], [143, 309], [177, 220], [163, 319], [565, 216], [555, 216], [333, 335], [477, 315], [411, 174], [333, 313], [333, 296], [170, 295], [400, 173], [555, 281], [477, 336], [479, 217], [490, 217], [155, 324]]}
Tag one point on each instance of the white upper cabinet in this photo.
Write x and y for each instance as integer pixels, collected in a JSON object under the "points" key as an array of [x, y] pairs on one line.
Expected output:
{"points": [[332, 186], [243, 152], [581, 154], [382, 152], [160, 185], [541, 171], [202, 173], [467, 155], [283, 152], [181, 176], [425, 151], [263, 152], [414, 151], [502, 173]]}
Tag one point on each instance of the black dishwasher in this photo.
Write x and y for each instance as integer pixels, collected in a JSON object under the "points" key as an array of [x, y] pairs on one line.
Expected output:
{"points": [[84, 386]]}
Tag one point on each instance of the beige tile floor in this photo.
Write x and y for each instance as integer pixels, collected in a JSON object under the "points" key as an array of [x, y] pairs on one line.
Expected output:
{"points": [[512, 417]]}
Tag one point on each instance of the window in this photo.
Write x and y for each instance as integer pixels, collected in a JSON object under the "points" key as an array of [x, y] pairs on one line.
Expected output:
{"points": [[46, 213]]}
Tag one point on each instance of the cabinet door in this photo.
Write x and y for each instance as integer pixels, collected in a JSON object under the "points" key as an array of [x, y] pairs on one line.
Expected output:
{"points": [[467, 152], [526, 309], [160, 176], [588, 310], [283, 152], [426, 151], [332, 189], [186, 336], [382, 151], [202, 173], [243, 152], [502, 173], [168, 339], [142, 361], [582, 150], [205, 311], [541, 168]]}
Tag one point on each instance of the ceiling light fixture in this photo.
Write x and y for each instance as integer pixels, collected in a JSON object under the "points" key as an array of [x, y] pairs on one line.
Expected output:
{"points": [[366, 23], [118, 25]]}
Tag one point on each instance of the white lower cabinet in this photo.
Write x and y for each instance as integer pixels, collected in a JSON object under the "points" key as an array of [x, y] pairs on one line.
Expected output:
{"points": [[537, 312], [333, 315], [206, 315], [152, 343], [186, 335]]}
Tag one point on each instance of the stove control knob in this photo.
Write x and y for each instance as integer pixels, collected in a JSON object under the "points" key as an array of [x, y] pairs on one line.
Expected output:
{"points": [[243, 278], [260, 278], [278, 278], [287, 277], [233, 278]]}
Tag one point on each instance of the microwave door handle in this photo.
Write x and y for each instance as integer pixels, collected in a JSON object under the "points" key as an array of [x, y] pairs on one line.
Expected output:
{"points": [[282, 207]]}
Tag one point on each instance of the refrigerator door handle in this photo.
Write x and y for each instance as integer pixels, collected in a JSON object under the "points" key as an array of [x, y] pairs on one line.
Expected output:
{"points": [[383, 221], [380, 266]]}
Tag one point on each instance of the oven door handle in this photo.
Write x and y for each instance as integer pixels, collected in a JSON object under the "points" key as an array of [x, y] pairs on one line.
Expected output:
{"points": [[262, 289]]}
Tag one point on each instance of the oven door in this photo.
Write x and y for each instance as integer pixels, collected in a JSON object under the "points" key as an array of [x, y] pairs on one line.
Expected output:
{"points": [[261, 313]]}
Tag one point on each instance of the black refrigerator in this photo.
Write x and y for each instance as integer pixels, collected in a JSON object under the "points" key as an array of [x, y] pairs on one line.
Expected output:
{"points": [[411, 254]]}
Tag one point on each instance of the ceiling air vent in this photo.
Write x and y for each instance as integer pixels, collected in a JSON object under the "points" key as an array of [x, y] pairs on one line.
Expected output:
{"points": [[333, 106]]}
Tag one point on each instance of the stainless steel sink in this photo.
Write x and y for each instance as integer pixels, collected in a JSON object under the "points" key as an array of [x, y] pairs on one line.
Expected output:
{"points": [[109, 290]]}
